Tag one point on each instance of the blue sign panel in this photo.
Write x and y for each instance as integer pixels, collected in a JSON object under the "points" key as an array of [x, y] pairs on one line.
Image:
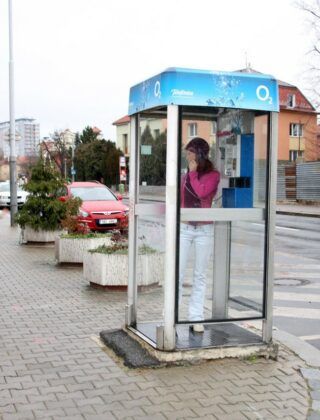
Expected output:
{"points": [[206, 88]]}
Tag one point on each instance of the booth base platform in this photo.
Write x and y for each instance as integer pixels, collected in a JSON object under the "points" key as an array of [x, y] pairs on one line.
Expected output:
{"points": [[137, 345]]}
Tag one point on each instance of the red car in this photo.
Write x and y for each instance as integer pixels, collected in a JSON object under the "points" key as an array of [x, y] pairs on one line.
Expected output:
{"points": [[101, 209]]}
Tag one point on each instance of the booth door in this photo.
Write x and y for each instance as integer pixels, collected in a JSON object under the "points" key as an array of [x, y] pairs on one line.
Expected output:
{"points": [[150, 221], [222, 239]]}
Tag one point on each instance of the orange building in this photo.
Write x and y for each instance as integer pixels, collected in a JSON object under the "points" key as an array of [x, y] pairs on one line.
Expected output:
{"points": [[297, 139], [297, 126]]}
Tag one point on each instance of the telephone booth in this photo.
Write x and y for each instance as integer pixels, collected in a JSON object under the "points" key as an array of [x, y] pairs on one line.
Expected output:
{"points": [[236, 113]]}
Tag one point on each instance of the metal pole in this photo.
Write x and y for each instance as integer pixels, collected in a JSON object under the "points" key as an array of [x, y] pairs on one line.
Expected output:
{"points": [[272, 190], [12, 159], [171, 224], [72, 159], [131, 308], [65, 167]]}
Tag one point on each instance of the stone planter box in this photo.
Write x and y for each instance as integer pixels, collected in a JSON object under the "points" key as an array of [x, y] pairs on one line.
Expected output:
{"points": [[72, 250], [30, 235], [111, 270]]}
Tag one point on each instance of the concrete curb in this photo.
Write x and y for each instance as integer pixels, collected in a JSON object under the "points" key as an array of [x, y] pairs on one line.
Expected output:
{"points": [[306, 352], [311, 356], [291, 213]]}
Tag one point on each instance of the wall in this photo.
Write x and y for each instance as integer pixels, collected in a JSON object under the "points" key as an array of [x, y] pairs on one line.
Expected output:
{"points": [[309, 140]]}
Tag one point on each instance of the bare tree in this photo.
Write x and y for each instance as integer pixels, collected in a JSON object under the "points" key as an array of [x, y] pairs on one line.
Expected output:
{"points": [[311, 10]]}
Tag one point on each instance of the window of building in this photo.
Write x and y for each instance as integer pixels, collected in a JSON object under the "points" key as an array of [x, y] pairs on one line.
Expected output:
{"points": [[294, 154], [125, 143], [192, 129], [156, 133], [214, 127], [296, 130], [291, 100]]}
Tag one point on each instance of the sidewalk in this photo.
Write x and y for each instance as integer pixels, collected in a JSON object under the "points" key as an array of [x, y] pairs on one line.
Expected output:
{"points": [[296, 209], [53, 365]]}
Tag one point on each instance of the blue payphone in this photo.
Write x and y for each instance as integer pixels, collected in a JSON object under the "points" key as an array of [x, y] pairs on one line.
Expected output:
{"points": [[240, 190]]}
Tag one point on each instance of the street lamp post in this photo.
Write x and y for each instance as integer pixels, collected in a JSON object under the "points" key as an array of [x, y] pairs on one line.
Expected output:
{"points": [[12, 159]]}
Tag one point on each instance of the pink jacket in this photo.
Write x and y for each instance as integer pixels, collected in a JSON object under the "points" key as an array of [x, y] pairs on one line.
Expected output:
{"points": [[205, 187]]}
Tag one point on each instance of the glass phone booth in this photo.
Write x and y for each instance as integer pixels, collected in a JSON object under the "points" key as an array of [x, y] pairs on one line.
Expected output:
{"points": [[183, 292]]}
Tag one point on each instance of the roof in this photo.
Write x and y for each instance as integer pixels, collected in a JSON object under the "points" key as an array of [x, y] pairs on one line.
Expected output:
{"points": [[250, 70], [122, 121], [194, 87]]}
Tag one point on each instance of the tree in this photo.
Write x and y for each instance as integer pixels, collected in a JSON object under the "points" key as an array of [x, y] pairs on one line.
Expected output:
{"points": [[98, 160], [311, 9], [60, 153], [153, 166], [43, 210], [87, 135]]}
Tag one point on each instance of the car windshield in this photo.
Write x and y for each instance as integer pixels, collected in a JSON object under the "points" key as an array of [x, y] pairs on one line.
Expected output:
{"points": [[92, 193], [4, 187]]}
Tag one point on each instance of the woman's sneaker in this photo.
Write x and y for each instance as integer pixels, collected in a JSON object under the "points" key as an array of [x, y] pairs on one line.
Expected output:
{"points": [[199, 328]]}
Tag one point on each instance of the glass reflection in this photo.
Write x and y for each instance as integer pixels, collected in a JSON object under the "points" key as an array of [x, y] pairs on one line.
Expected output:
{"points": [[151, 223], [222, 262], [198, 187]]}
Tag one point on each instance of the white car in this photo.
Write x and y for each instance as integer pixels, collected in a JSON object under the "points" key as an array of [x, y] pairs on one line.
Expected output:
{"points": [[5, 195]]}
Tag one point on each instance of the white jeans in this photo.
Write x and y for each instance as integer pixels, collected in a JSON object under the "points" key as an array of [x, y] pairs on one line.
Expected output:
{"points": [[202, 238]]}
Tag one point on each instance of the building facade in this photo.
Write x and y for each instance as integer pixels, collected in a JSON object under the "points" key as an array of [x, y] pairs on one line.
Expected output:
{"points": [[27, 137], [190, 128], [297, 126]]}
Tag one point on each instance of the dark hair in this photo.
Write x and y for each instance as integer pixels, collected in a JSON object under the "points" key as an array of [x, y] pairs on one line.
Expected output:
{"points": [[204, 165], [200, 147]]}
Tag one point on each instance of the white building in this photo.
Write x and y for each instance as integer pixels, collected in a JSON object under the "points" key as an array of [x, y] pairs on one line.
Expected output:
{"points": [[68, 137], [27, 137]]}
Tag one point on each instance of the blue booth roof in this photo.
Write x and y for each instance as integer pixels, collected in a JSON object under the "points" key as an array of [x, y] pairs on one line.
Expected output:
{"points": [[179, 86]]}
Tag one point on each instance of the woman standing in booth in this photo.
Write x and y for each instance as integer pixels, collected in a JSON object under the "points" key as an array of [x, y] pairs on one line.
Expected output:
{"points": [[199, 186]]}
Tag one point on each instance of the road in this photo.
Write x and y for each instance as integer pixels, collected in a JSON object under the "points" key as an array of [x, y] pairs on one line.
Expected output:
{"points": [[297, 277], [297, 269]]}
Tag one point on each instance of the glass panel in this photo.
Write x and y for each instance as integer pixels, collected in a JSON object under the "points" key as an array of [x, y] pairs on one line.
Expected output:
{"points": [[151, 222], [221, 261], [246, 270]]}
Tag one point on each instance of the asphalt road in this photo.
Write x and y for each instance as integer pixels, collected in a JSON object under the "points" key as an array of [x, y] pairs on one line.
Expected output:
{"points": [[297, 268], [297, 277]]}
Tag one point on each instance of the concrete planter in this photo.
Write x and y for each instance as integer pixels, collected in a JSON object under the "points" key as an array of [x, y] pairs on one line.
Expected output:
{"points": [[30, 235], [112, 269], [72, 250]]}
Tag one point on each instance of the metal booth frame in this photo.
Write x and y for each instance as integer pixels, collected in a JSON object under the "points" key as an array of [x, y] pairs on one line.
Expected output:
{"points": [[166, 333]]}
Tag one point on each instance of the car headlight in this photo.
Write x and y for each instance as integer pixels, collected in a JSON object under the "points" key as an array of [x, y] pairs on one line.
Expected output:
{"points": [[84, 213]]}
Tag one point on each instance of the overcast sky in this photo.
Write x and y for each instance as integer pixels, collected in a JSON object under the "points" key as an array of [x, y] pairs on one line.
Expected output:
{"points": [[75, 60]]}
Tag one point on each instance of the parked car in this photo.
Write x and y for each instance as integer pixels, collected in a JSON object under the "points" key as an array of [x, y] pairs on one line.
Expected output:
{"points": [[5, 195], [101, 209]]}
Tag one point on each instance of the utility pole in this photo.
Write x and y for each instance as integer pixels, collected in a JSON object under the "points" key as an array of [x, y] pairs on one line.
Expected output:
{"points": [[73, 172], [12, 130]]}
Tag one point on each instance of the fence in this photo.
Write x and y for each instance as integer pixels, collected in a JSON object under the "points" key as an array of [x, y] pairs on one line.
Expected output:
{"points": [[299, 181]]}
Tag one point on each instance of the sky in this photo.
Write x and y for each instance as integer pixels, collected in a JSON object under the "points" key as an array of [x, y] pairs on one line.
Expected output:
{"points": [[75, 60]]}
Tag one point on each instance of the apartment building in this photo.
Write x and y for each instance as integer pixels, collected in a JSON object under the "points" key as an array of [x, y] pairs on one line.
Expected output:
{"points": [[27, 137]]}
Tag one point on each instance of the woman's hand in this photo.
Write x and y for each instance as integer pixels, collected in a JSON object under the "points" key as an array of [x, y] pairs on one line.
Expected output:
{"points": [[193, 165]]}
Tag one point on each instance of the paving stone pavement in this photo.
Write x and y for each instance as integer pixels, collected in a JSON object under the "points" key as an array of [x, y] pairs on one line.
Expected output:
{"points": [[52, 366]]}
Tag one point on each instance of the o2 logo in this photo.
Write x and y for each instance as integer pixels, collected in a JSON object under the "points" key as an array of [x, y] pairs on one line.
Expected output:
{"points": [[157, 90], [263, 94]]}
